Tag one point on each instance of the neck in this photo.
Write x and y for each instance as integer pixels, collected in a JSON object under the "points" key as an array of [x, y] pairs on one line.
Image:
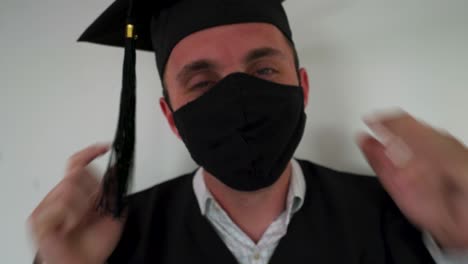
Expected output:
{"points": [[254, 211]]}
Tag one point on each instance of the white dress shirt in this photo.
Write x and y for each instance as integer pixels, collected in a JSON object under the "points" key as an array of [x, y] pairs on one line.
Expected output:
{"points": [[248, 252]]}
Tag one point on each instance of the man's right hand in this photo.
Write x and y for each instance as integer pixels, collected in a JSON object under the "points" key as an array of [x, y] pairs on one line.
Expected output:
{"points": [[66, 226]]}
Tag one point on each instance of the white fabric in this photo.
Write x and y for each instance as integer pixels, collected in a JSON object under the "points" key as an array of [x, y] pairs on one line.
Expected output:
{"points": [[444, 257], [247, 252], [241, 246]]}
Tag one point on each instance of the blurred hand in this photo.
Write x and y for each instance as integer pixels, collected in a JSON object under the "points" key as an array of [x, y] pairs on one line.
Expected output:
{"points": [[65, 225], [425, 171]]}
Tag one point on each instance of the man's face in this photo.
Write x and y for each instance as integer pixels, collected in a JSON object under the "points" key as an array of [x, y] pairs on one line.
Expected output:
{"points": [[202, 59]]}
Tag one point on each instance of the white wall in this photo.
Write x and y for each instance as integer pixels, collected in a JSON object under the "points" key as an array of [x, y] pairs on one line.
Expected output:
{"points": [[58, 96]]}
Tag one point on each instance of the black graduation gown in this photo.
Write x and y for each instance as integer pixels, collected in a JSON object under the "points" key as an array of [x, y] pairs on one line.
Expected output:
{"points": [[345, 219]]}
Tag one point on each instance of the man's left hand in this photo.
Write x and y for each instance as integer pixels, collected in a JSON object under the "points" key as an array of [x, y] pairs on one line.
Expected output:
{"points": [[425, 171]]}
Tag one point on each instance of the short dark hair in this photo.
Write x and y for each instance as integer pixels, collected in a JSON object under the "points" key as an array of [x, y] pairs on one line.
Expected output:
{"points": [[296, 64]]}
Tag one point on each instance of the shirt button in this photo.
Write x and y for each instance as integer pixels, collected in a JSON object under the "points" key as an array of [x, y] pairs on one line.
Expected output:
{"points": [[256, 256]]}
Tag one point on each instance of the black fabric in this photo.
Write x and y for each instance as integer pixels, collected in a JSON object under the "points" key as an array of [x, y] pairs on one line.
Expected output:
{"points": [[119, 171], [345, 218], [244, 130], [160, 25]]}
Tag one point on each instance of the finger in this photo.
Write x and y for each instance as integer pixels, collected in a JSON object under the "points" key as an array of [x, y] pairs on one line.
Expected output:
{"points": [[84, 182], [85, 156], [46, 222], [71, 195], [411, 137], [62, 214], [78, 210], [375, 153], [84, 178], [108, 227], [54, 213], [399, 124]]}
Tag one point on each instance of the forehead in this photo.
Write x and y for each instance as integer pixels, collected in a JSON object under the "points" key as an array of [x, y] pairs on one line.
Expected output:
{"points": [[224, 43]]}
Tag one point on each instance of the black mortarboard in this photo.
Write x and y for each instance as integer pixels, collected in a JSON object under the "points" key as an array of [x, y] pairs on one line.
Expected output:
{"points": [[158, 26]]}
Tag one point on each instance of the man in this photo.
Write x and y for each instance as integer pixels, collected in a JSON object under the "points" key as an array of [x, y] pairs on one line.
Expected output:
{"points": [[235, 95]]}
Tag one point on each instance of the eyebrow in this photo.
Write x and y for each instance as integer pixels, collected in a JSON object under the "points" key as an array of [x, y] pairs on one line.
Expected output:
{"points": [[263, 52]]}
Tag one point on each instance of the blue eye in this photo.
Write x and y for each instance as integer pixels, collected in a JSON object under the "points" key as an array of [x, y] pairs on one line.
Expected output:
{"points": [[203, 84], [266, 71]]}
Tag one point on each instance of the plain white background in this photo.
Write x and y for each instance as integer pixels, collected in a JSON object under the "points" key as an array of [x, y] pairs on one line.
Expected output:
{"points": [[58, 96]]}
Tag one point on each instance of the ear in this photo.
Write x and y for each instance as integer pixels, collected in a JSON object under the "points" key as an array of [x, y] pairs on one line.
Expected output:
{"points": [[166, 109], [304, 78]]}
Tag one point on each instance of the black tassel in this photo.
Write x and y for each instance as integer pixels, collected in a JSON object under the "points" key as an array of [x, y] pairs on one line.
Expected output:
{"points": [[120, 168]]}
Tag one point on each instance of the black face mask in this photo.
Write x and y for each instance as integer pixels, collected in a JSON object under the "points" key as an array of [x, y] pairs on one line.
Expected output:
{"points": [[244, 130]]}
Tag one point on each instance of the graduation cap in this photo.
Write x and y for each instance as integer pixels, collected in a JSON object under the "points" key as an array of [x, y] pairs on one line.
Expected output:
{"points": [[158, 25]]}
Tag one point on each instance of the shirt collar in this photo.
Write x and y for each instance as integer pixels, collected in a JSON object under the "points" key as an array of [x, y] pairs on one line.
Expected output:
{"points": [[295, 198]]}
